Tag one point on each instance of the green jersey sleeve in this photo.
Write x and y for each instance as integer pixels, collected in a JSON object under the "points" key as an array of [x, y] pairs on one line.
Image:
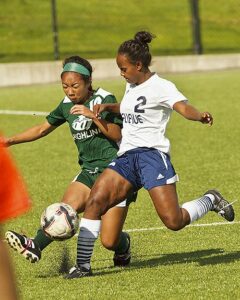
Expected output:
{"points": [[56, 117], [111, 117]]}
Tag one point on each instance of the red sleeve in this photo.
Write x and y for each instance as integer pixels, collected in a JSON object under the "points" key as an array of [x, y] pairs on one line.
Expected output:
{"points": [[14, 199]]}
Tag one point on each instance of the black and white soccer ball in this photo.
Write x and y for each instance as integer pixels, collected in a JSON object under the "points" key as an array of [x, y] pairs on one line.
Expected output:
{"points": [[59, 221]]}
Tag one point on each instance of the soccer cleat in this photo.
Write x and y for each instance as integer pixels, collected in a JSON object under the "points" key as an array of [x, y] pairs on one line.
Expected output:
{"points": [[222, 206], [78, 272], [123, 260], [23, 245]]}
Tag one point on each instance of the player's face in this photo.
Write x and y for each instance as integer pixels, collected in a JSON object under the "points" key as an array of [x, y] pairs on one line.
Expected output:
{"points": [[131, 72], [76, 89]]}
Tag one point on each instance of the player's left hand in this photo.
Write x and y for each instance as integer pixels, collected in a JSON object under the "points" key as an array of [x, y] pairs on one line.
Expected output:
{"points": [[4, 142], [207, 118]]}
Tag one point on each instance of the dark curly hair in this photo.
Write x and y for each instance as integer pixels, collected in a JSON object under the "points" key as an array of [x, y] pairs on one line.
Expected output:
{"points": [[137, 49]]}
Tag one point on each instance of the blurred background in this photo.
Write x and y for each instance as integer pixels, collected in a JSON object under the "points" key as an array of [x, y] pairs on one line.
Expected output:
{"points": [[53, 29]]}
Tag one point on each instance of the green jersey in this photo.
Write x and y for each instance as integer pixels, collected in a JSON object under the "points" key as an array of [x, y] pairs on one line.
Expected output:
{"points": [[95, 150]]}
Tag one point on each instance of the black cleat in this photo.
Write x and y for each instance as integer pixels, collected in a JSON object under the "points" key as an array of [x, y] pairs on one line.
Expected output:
{"points": [[78, 272], [222, 206], [123, 259], [23, 245]]}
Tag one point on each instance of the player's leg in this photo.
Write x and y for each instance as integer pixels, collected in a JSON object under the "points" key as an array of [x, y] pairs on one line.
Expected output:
{"points": [[76, 195], [112, 236], [31, 248], [165, 201], [159, 178], [112, 225], [109, 189], [175, 217]]}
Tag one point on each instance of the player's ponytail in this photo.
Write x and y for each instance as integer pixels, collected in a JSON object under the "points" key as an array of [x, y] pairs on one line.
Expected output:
{"points": [[143, 37]]}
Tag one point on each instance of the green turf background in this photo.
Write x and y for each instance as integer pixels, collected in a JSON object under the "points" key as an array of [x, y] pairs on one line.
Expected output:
{"points": [[95, 29]]}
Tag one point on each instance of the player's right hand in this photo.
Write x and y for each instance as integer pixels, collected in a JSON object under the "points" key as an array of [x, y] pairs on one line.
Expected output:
{"points": [[206, 118], [97, 109]]}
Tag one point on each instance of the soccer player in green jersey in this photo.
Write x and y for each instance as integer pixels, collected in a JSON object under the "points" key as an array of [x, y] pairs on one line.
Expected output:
{"points": [[96, 140]]}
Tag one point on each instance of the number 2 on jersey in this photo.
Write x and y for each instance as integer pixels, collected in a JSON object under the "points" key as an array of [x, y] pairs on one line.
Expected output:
{"points": [[142, 101]]}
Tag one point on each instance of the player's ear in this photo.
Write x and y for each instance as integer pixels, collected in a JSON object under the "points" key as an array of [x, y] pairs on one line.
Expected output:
{"points": [[139, 65]]}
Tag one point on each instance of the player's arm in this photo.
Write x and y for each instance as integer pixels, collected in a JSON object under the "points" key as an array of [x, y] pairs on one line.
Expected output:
{"points": [[110, 107], [31, 134], [191, 113], [110, 130]]}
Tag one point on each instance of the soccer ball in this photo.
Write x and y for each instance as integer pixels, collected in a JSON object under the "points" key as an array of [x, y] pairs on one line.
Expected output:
{"points": [[59, 221]]}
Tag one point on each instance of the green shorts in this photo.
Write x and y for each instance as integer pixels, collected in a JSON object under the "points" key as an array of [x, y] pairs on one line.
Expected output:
{"points": [[88, 178]]}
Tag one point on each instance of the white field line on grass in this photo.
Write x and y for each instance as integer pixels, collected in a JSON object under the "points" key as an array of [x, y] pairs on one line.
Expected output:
{"points": [[191, 225], [23, 113]]}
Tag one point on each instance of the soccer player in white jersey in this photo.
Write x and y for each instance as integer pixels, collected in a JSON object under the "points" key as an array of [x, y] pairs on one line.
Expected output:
{"points": [[143, 158]]}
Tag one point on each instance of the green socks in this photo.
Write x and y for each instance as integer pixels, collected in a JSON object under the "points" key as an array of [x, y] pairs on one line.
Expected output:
{"points": [[42, 240]]}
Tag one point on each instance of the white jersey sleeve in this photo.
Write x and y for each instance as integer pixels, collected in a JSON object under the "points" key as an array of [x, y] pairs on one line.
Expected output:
{"points": [[170, 94]]}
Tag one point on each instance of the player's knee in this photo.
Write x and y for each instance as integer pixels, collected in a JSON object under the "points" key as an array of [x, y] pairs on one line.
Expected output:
{"points": [[108, 242], [174, 224]]}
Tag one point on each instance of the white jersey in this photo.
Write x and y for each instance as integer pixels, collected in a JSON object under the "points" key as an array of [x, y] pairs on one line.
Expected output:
{"points": [[146, 109]]}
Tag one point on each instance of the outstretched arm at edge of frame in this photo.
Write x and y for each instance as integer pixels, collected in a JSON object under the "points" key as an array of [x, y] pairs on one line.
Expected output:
{"points": [[191, 113], [30, 134]]}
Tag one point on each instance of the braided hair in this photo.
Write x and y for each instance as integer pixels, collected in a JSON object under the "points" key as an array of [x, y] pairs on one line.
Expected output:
{"points": [[137, 49]]}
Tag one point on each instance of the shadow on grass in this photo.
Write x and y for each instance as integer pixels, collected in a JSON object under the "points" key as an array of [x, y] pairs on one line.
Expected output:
{"points": [[201, 257], [63, 267]]}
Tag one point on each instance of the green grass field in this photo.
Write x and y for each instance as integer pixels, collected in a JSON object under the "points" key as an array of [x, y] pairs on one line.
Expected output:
{"points": [[95, 29], [198, 262]]}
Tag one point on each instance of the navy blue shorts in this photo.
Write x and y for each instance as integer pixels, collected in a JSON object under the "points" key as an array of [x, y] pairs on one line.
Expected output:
{"points": [[145, 167]]}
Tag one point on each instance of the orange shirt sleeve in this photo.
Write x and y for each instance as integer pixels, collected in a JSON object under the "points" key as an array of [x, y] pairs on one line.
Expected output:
{"points": [[14, 199]]}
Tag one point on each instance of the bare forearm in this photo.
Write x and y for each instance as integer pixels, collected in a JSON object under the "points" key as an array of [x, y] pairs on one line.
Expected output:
{"points": [[110, 130], [30, 134], [191, 113], [113, 107], [110, 107]]}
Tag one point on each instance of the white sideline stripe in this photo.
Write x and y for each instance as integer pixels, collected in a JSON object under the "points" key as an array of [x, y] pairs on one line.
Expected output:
{"points": [[23, 113], [191, 225]]}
